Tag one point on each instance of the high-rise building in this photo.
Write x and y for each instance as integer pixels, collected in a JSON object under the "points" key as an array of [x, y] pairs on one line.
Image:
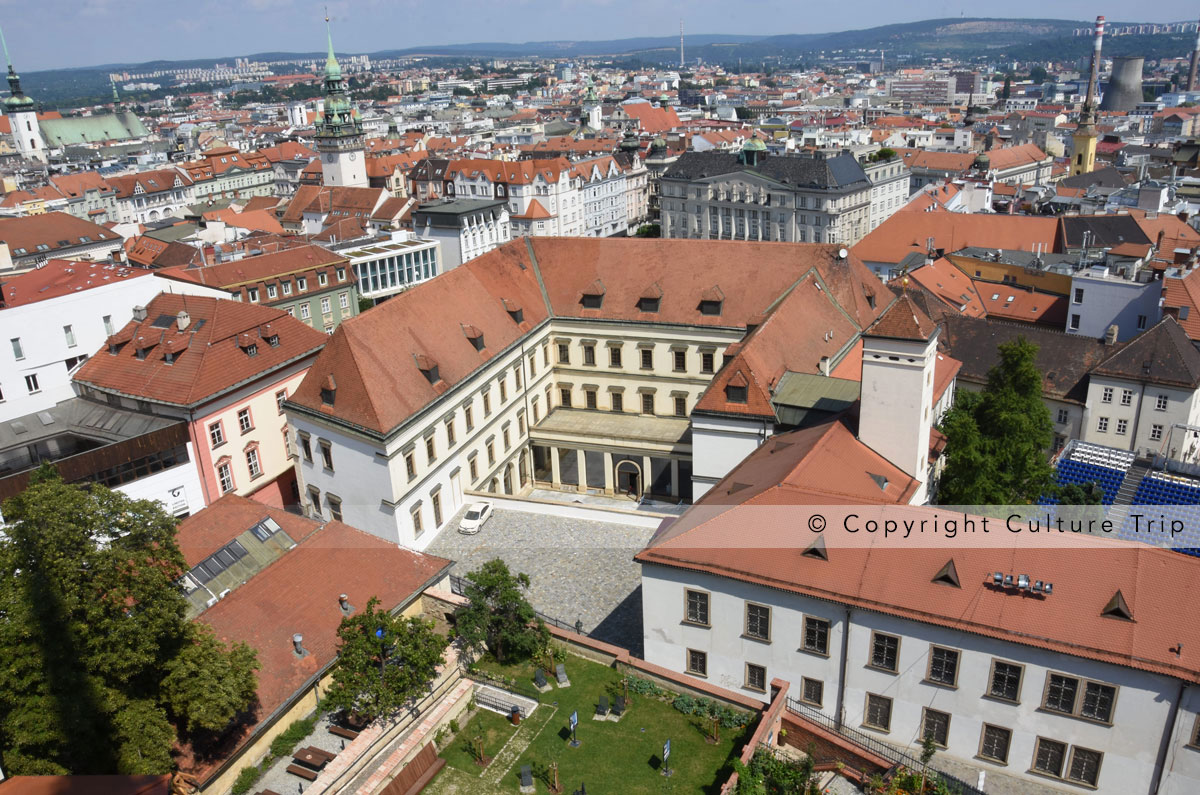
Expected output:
{"points": [[339, 137]]}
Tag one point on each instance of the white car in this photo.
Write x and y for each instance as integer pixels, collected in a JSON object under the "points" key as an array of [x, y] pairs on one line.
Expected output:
{"points": [[477, 514]]}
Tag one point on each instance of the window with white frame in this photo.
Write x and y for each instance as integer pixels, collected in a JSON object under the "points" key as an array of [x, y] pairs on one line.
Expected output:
{"points": [[252, 462]]}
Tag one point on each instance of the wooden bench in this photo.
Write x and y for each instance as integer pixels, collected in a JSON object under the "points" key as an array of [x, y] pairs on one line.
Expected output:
{"points": [[339, 731], [302, 772]]}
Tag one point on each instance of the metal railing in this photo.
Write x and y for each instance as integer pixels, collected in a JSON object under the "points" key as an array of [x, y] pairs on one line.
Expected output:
{"points": [[517, 688], [881, 749], [497, 703]]}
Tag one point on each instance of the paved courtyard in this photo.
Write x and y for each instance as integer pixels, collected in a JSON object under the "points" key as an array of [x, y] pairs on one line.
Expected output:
{"points": [[579, 570]]}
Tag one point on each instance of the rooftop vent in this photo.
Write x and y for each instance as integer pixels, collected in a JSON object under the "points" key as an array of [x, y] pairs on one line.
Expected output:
{"points": [[1117, 607], [948, 575], [817, 550], [298, 645]]}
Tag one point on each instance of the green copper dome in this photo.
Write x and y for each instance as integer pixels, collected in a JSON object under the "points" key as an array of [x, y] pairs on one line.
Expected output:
{"points": [[754, 145]]}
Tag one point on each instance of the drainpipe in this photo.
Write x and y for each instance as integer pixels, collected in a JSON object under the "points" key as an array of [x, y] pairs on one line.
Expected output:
{"points": [[841, 693], [1160, 761]]}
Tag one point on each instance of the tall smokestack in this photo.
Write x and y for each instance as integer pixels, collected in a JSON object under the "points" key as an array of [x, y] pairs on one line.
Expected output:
{"points": [[1089, 104], [1191, 83], [681, 44]]}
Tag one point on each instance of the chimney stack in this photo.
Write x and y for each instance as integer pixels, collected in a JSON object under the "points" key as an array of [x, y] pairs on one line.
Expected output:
{"points": [[139, 313], [183, 320], [1089, 104], [1110, 335]]}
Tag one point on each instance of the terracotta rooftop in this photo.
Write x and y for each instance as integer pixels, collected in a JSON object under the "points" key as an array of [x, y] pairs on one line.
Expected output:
{"points": [[213, 361], [264, 267], [903, 321], [907, 231], [60, 277], [55, 231]]}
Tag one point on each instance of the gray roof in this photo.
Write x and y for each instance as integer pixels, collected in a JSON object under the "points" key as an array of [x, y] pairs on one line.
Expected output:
{"points": [[1107, 230], [1102, 177], [1162, 355], [801, 171], [458, 207], [802, 398]]}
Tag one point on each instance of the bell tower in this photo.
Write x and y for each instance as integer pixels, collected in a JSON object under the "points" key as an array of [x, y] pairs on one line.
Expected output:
{"points": [[22, 115], [339, 136]]}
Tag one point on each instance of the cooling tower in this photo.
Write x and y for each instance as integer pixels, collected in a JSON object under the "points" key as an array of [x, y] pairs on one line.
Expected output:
{"points": [[1124, 90]]}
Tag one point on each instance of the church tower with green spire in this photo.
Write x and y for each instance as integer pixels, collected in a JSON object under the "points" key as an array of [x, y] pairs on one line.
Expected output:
{"points": [[22, 115], [339, 137]]}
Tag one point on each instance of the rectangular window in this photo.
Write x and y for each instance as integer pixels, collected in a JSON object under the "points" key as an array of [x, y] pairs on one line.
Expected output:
{"points": [[816, 635], [936, 726], [69, 334], [706, 362], [1156, 433], [680, 406], [647, 403], [696, 609], [758, 621], [252, 294], [812, 691], [697, 662], [216, 434], [225, 476], [322, 278], [589, 354], [31, 384], [614, 357], [335, 508], [532, 365], [272, 291], [1074, 322], [491, 452], [994, 743], [18, 351], [564, 353], [1102, 424], [341, 274], [244, 422], [1097, 702], [564, 397], [1126, 397], [410, 465], [647, 359], [505, 438], [326, 305], [885, 652], [1078, 295], [1160, 403], [287, 287], [252, 462], [1085, 766], [469, 416], [1122, 427], [618, 401], [680, 360], [878, 714], [756, 677], [503, 391], [473, 467], [344, 300], [1060, 693], [450, 431], [280, 397], [943, 666], [487, 405], [416, 520], [1064, 416], [304, 311], [301, 283], [430, 449], [305, 448], [327, 455], [589, 398], [1049, 756], [1005, 682], [1107, 395], [436, 499]]}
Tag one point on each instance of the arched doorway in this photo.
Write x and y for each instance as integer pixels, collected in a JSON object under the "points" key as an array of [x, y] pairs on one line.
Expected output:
{"points": [[628, 477], [523, 469], [494, 486], [508, 479]]}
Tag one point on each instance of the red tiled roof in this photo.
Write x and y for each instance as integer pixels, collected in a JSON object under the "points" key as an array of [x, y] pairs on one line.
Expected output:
{"points": [[213, 361], [61, 277], [903, 321], [950, 285], [908, 231], [1185, 292], [54, 230], [1013, 302], [86, 785]]}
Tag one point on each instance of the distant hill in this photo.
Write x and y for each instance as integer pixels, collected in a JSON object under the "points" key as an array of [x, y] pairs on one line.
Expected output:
{"points": [[981, 39]]}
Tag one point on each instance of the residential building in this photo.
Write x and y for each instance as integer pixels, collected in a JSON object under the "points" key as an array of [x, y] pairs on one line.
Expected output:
{"points": [[465, 228], [223, 367], [1019, 660], [150, 196], [545, 197], [268, 553], [33, 239], [226, 173], [817, 197], [391, 262], [605, 197], [354, 211], [889, 180], [310, 283], [56, 316], [1101, 298], [574, 364], [921, 89], [88, 195]]}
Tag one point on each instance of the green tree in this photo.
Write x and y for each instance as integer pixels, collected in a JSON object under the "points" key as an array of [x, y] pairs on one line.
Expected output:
{"points": [[384, 661], [498, 617], [1006, 91], [1038, 74], [997, 441], [1080, 494], [649, 230], [94, 626]]}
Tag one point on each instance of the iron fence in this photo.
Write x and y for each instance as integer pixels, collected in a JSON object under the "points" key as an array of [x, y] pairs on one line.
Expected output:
{"points": [[881, 749]]}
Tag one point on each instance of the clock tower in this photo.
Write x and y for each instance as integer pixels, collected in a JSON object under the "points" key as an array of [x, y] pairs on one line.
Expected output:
{"points": [[339, 132], [22, 115]]}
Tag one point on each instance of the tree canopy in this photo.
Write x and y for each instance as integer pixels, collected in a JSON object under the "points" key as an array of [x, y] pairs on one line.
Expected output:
{"points": [[99, 669], [997, 440], [384, 660], [498, 617]]}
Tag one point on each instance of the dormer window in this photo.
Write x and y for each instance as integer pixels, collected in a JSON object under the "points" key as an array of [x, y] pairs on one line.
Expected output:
{"points": [[735, 394], [648, 304], [252, 349], [475, 336], [711, 301], [328, 390], [301, 284], [514, 310], [593, 295], [273, 340], [428, 368]]}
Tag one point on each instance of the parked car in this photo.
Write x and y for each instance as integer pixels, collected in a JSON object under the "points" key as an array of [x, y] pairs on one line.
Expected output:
{"points": [[477, 514]]}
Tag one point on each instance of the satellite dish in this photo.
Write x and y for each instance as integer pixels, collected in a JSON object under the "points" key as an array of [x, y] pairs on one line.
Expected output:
{"points": [[843, 253]]}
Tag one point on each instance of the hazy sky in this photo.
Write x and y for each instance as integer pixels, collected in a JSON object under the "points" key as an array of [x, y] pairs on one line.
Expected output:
{"points": [[46, 34]]}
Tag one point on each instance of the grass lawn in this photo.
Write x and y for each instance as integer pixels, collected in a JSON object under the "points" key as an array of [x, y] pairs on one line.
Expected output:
{"points": [[496, 731], [624, 757]]}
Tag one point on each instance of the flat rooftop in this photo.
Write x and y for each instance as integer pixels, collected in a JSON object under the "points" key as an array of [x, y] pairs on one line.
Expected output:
{"points": [[611, 426]]}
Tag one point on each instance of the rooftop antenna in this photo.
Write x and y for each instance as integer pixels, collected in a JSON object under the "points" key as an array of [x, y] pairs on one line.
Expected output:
{"points": [[681, 43]]}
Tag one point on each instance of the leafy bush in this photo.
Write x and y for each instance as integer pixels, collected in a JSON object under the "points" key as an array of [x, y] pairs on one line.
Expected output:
{"points": [[453, 726], [684, 703], [644, 687], [246, 779], [282, 745]]}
